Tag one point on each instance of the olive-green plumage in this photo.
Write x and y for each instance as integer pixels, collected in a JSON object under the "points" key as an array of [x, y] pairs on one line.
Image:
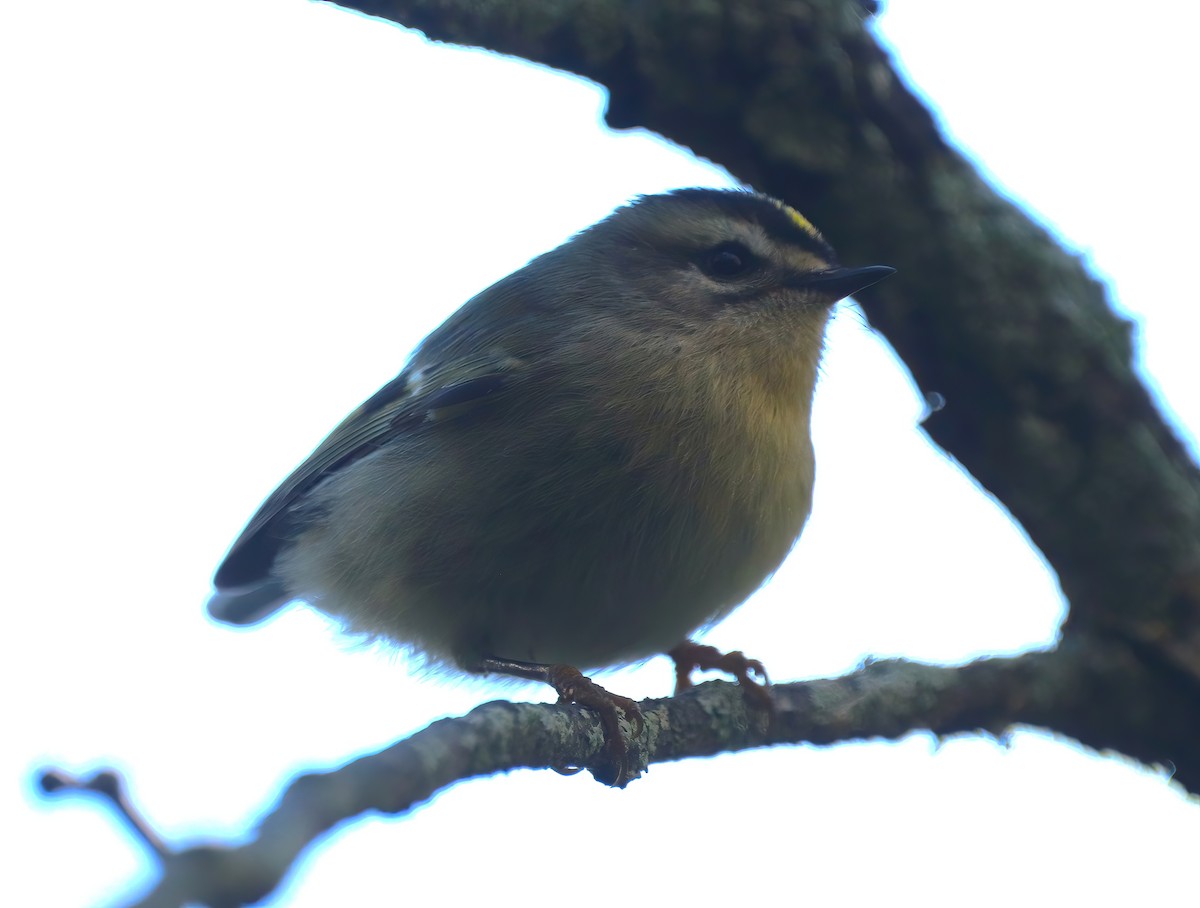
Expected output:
{"points": [[591, 459]]}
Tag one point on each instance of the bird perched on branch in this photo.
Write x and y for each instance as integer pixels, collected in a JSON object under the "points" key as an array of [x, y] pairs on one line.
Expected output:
{"points": [[592, 459]]}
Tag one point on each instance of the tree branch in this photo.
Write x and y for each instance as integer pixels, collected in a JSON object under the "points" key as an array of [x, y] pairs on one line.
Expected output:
{"points": [[1043, 404], [1071, 687]]}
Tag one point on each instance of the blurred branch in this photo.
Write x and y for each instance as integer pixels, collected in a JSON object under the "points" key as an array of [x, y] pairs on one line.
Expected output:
{"points": [[1072, 686]]}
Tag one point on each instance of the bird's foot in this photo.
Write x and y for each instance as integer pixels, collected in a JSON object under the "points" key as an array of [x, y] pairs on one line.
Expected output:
{"points": [[572, 686], [575, 687], [689, 657]]}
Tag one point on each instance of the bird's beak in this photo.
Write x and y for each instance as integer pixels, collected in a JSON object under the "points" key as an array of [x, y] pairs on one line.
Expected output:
{"points": [[838, 283]]}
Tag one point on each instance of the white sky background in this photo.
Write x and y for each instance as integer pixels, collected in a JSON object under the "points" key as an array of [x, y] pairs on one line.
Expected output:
{"points": [[223, 225]]}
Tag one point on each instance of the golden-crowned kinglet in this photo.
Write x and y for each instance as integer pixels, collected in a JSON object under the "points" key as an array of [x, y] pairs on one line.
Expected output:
{"points": [[594, 457]]}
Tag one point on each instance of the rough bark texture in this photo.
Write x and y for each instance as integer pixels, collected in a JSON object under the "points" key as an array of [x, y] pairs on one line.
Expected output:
{"points": [[1043, 407], [883, 700]]}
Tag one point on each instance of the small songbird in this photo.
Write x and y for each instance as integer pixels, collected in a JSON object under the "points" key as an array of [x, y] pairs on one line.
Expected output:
{"points": [[592, 459]]}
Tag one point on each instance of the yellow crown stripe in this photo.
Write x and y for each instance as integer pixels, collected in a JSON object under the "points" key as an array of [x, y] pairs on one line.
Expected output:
{"points": [[800, 220]]}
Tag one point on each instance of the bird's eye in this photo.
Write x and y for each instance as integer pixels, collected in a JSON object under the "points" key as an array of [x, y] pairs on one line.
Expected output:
{"points": [[729, 260]]}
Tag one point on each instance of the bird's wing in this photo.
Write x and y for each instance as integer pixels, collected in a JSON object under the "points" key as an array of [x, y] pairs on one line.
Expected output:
{"points": [[415, 397]]}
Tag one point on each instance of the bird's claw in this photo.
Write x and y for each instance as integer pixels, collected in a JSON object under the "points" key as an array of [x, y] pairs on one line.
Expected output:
{"points": [[689, 657], [573, 686]]}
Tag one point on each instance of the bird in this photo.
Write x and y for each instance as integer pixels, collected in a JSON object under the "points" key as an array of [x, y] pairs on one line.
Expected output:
{"points": [[593, 459]]}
